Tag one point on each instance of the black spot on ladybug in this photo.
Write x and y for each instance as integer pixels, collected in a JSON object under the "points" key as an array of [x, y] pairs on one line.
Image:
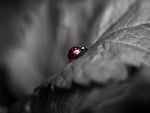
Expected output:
{"points": [[75, 52]]}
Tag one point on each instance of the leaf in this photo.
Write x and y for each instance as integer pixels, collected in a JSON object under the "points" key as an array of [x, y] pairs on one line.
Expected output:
{"points": [[113, 76], [125, 43], [120, 56]]}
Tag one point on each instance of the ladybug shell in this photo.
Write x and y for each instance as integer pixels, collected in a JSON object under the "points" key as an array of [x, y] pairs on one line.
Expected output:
{"points": [[75, 52]]}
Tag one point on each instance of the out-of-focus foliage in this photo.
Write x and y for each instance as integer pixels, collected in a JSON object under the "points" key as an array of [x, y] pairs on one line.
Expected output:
{"points": [[113, 76]]}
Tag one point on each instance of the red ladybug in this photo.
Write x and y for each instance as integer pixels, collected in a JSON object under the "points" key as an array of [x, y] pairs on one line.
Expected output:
{"points": [[75, 52]]}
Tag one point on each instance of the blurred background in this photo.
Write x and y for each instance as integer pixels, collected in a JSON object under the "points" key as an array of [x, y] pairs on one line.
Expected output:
{"points": [[35, 36]]}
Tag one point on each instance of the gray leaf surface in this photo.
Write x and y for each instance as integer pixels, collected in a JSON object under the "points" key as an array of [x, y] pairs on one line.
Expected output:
{"points": [[125, 43]]}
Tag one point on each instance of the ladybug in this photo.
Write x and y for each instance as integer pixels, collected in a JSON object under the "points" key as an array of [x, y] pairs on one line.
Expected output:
{"points": [[75, 52]]}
